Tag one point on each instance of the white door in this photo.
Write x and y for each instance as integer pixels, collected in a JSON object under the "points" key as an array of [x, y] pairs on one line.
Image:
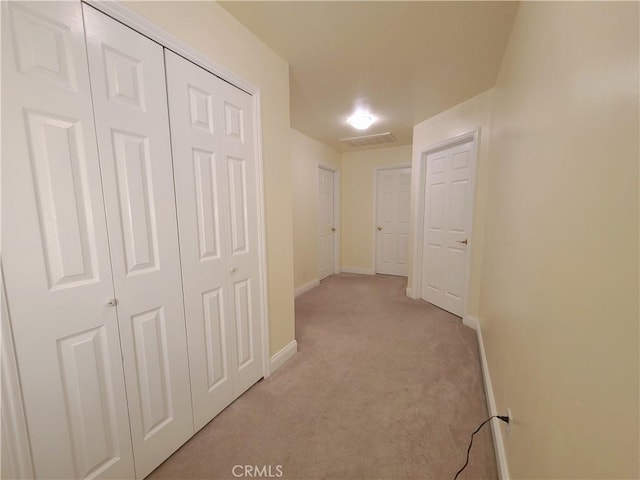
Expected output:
{"points": [[132, 124], [55, 249], [447, 217], [216, 185], [326, 228], [240, 194], [393, 190]]}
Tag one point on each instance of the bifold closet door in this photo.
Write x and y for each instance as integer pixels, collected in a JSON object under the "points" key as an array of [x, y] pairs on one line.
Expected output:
{"points": [[132, 124], [55, 249], [215, 177]]}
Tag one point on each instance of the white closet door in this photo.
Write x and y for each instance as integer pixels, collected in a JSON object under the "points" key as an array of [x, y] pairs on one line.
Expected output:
{"points": [[127, 77], [199, 174], [55, 250], [215, 175], [238, 153]]}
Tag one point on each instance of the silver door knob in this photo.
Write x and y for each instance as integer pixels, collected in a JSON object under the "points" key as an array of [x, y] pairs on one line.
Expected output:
{"points": [[333, 229], [462, 241], [379, 227], [233, 270], [112, 302]]}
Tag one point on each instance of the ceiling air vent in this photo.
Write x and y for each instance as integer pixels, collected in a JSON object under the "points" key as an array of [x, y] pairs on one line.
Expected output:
{"points": [[367, 140]]}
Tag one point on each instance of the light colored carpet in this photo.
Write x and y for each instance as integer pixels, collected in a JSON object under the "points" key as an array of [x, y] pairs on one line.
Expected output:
{"points": [[383, 387]]}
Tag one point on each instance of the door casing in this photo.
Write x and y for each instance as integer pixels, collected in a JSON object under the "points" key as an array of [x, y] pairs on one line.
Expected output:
{"points": [[419, 176]]}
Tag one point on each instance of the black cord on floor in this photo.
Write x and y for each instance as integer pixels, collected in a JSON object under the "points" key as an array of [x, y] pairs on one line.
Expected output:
{"points": [[503, 418]]}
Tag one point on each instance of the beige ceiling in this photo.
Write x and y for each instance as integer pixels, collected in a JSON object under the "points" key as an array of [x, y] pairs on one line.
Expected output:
{"points": [[406, 61]]}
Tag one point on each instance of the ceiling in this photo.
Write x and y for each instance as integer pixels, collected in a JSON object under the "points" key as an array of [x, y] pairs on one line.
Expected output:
{"points": [[404, 61]]}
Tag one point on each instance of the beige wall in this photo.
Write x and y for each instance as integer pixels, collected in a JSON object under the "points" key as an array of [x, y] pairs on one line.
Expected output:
{"points": [[555, 279], [559, 296], [209, 28], [357, 202], [463, 118], [306, 155]]}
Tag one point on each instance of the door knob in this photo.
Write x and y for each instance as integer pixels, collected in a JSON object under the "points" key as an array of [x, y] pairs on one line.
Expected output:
{"points": [[333, 229], [233, 269], [379, 227], [112, 302], [462, 241]]}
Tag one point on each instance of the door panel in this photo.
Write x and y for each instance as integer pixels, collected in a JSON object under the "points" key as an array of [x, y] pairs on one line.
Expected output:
{"points": [[446, 227], [200, 172], [240, 198], [86, 389], [215, 337], [207, 204], [326, 228], [127, 78], [238, 205], [137, 213], [393, 190], [62, 199], [212, 139], [56, 255], [242, 314], [150, 340]]}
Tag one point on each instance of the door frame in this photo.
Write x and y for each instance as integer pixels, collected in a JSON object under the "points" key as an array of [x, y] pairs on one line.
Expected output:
{"points": [[419, 187], [140, 24], [336, 214], [394, 166]]}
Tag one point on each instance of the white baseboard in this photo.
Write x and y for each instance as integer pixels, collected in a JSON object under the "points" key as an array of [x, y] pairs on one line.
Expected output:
{"points": [[496, 425], [471, 322], [360, 270], [283, 355], [306, 287], [409, 292]]}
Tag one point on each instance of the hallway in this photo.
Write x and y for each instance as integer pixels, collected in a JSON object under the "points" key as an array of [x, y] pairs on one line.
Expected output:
{"points": [[382, 387]]}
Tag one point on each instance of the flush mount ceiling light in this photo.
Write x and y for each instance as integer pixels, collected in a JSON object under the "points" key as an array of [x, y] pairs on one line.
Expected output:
{"points": [[361, 120]]}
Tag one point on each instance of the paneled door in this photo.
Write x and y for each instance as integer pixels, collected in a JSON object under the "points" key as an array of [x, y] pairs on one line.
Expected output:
{"points": [[393, 190], [326, 227], [55, 249], [132, 124], [216, 195], [447, 211]]}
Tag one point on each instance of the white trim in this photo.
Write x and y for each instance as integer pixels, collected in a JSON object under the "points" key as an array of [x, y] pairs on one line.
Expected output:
{"points": [[419, 186], [306, 287], [496, 425], [409, 292], [336, 212], [263, 284], [284, 355], [143, 26], [16, 448], [360, 270], [393, 166]]}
